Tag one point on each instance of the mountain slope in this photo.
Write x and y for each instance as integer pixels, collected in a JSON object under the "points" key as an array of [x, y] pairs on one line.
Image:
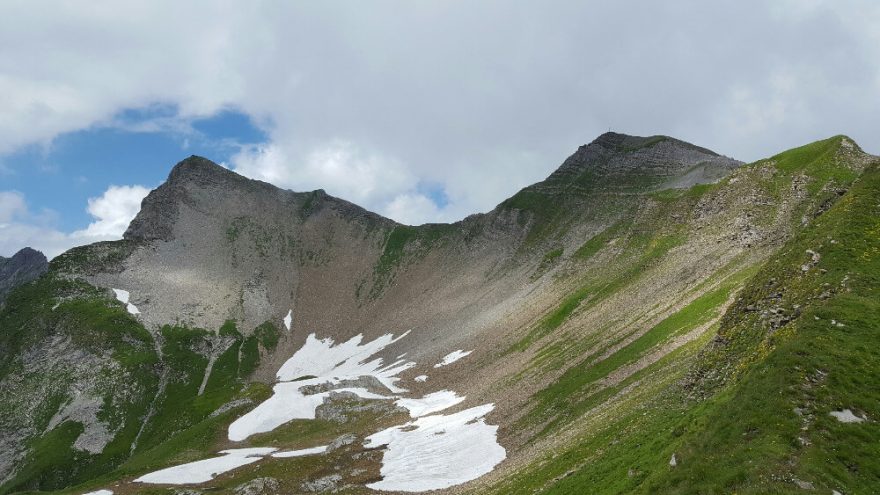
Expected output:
{"points": [[24, 266], [585, 300]]}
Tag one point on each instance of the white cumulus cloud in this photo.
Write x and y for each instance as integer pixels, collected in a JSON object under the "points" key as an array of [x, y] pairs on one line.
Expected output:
{"points": [[20, 227], [113, 211], [370, 100]]}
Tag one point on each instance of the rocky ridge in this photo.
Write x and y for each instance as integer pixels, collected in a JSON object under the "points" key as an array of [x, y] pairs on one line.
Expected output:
{"points": [[24, 266]]}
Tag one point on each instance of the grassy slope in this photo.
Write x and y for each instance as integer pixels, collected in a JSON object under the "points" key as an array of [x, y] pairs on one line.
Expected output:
{"points": [[733, 426], [180, 426]]}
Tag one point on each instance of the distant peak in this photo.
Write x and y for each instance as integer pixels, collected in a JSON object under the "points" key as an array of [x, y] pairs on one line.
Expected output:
{"points": [[29, 253], [617, 142], [197, 167]]}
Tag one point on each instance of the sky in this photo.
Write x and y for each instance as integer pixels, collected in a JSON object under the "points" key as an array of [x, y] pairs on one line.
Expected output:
{"points": [[422, 111]]}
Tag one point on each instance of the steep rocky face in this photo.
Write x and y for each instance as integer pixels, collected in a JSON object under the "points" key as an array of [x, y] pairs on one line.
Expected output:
{"points": [[23, 267], [567, 304], [620, 162]]}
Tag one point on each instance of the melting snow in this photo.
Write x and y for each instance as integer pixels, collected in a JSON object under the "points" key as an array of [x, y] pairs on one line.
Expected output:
{"points": [[348, 360], [328, 363], [846, 416], [421, 378], [288, 319], [287, 404], [440, 451], [431, 452], [452, 357], [207, 469], [301, 452], [430, 403], [123, 296], [100, 492]]}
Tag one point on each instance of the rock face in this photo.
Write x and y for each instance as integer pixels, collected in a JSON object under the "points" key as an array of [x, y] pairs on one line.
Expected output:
{"points": [[622, 162], [23, 267]]}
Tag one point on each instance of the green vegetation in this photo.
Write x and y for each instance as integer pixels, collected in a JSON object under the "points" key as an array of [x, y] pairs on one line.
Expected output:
{"points": [[57, 311], [570, 392], [405, 243], [750, 412], [644, 252]]}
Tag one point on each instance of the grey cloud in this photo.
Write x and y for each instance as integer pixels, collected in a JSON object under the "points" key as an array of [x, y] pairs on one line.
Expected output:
{"points": [[481, 97]]}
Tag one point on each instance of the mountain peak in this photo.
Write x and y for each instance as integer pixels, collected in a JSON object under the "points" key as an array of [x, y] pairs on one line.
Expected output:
{"points": [[187, 183], [202, 171], [618, 156], [618, 142], [24, 266]]}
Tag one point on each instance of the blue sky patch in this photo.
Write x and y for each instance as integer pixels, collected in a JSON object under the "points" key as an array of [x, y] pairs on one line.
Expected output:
{"points": [[139, 146]]}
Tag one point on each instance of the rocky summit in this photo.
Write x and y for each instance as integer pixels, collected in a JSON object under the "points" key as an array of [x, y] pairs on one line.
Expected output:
{"points": [[24, 266], [651, 318]]}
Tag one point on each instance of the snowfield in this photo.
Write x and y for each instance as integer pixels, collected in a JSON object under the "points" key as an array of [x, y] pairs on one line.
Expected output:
{"points": [[430, 403], [288, 319], [123, 296], [287, 404], [301, 452], [348, 360], [207, 469], [452, 357], [440, 451], [433, 451]]}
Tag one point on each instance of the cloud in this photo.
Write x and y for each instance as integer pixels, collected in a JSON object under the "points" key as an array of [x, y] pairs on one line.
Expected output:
{"points": [[413, 209], [371, 101], [11, 205], [112, 212]]}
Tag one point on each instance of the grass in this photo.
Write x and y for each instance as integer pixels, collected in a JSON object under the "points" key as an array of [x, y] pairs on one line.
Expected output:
{"points": [[741, 433], [645, 251], [86, 318], [127, 375], [568, 395], [404, 243]]}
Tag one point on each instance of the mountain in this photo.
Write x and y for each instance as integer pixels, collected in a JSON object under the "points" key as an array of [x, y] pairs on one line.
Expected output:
{"points": [[653, 317], [23, 267]]}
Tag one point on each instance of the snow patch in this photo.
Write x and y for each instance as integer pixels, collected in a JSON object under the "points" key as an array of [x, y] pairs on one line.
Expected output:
{"points": [[430, 403], [100, 492], [439, 451], [288, 319], [286, 404], [123, 296], [348, 360], [846, 416], [452, 357], [301, 452], [421, 378], [326, 362], [207, 469]]}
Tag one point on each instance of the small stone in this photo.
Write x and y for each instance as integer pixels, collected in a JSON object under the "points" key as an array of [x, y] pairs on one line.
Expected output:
{"points": [[341, 441], [803, 485], [673, 461], [258, 486], [846, 416], [325, 484]]}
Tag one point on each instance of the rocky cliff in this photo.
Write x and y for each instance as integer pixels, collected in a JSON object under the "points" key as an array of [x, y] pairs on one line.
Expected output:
{"points": [[23, 267]]}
